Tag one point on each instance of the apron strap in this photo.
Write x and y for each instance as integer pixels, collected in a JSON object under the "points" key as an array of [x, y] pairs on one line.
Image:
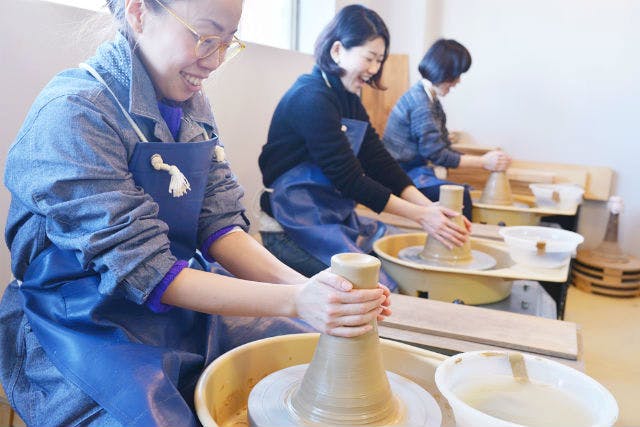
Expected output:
{"points": [[179, 185], [99, 78]]}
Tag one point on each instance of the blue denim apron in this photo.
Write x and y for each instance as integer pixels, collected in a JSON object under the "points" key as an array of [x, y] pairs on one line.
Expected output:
{"points": [[424, 176], [317, 217], [140, 366]]}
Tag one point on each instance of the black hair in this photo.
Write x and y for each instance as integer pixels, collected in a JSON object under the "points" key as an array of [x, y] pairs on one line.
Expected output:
{"points": [[445, 61], [117, 10], [353, 26]]}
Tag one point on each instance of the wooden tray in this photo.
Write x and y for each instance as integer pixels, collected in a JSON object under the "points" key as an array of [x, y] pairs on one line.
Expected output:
{"points": [[483, 326]]}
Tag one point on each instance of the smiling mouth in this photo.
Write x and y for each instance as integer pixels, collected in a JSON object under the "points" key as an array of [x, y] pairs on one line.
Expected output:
{"points": [[192, 80]]}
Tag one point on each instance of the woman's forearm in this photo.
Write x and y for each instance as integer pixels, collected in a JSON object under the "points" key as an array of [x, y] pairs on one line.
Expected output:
{"points": [[245, 258], [413, 195], [406, 208], [471, 161], [217, 294]]}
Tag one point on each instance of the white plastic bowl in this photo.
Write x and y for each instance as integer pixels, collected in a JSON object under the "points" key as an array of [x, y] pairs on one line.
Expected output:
{"points": [[540, 247], [485, 366], [559, 196]]}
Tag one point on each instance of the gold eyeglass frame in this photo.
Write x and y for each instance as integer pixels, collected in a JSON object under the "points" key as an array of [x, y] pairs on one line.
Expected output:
{"points": [[222, 46]]}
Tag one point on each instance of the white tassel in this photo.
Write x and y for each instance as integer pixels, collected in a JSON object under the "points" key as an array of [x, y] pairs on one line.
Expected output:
{"points": [[179, 184]]}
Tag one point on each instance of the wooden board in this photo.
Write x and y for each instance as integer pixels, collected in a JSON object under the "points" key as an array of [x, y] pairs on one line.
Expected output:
{"points": [[6, 412], [484, 326], [453, 346], [379, 103], [588, 284], [595, 180]]}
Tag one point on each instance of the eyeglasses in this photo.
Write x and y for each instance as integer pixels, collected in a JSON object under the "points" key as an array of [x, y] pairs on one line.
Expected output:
{"points": [[208, 45]]}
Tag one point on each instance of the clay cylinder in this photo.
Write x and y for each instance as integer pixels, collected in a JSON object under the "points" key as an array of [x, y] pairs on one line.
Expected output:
{"points": [[345, 383], [451, 196], [497, 190]]}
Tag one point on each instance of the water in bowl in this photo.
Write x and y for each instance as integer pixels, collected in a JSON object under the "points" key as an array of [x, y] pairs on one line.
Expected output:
{"points": [[531, 403]]}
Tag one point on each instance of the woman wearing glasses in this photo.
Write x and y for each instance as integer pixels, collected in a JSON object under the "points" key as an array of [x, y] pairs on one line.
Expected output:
{"points": [[322, 156], [416, 134], [116, 178]]}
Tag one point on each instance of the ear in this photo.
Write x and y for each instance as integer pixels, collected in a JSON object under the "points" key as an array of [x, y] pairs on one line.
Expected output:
{"points": [[336, 51], [134, 12]]}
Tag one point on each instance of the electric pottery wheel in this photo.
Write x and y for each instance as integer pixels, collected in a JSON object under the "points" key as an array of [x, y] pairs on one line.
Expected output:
{"points": [[434, 253], [480, 272], [496, 205], [345, 383]]}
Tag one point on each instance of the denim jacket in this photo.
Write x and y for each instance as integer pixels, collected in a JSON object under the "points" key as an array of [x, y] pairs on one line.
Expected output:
{"points": [[68, 175], [416, 132]]}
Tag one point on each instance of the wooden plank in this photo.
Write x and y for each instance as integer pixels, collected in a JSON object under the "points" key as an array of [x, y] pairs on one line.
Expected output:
{"points": [[450, 345], [491, 327], [6, 413], [595, 180], [379, 103]]}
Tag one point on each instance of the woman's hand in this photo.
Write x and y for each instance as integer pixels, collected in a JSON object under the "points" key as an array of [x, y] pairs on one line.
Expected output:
{"points": [[331, 305], [436, 221], [496, 161]]}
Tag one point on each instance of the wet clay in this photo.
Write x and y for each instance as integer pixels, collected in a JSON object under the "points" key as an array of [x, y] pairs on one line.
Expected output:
{"points": [[345, 383], [497, 190], [436, 254], [451, 196]]}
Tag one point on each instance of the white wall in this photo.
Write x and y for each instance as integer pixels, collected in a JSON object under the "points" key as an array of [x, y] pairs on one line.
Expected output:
{"points": [[244, 93], [555, 81], [551, 81]]}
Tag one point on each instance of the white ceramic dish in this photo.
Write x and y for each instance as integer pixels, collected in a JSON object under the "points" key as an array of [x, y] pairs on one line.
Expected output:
{"points": [[540, 247], [559, 196], [457, 372]]}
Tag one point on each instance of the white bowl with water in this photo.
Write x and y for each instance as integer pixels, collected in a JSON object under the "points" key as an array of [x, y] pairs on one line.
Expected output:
{"points": [[558, 196], [482, 391], [540, 247]]}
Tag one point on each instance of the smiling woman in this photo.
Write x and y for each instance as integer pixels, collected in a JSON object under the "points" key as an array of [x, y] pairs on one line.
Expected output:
{"points": [[104, 238]]}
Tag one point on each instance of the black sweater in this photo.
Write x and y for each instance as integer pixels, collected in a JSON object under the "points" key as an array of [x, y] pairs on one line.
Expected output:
{"points": [[306, 127]]}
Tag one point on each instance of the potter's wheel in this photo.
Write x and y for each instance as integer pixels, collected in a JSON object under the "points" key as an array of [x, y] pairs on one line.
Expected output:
{"points": [[270, 402], [479, 260]]}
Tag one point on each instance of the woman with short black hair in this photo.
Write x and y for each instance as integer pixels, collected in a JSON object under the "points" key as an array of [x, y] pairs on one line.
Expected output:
{"points": [[416, 134], [323, 156]]}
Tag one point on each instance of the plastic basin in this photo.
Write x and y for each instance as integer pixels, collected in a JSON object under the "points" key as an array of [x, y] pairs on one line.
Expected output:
{"points": [[559, 196], [540, 247], [597, 407]]}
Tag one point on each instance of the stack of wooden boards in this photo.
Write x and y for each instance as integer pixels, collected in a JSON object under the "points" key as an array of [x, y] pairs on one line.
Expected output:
{"points": [[451, 328], [598, 275]]}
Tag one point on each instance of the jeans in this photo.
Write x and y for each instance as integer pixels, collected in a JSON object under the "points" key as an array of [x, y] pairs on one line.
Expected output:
{"points": [[288, 251], [291, 254]]}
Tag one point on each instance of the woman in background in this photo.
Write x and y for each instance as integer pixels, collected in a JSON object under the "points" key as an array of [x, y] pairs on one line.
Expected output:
{"points": [[416, 134], [323, 156], [108, 324]]}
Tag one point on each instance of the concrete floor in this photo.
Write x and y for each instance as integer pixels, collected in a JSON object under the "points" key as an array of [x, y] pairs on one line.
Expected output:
{"points": [[611, 346]]}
